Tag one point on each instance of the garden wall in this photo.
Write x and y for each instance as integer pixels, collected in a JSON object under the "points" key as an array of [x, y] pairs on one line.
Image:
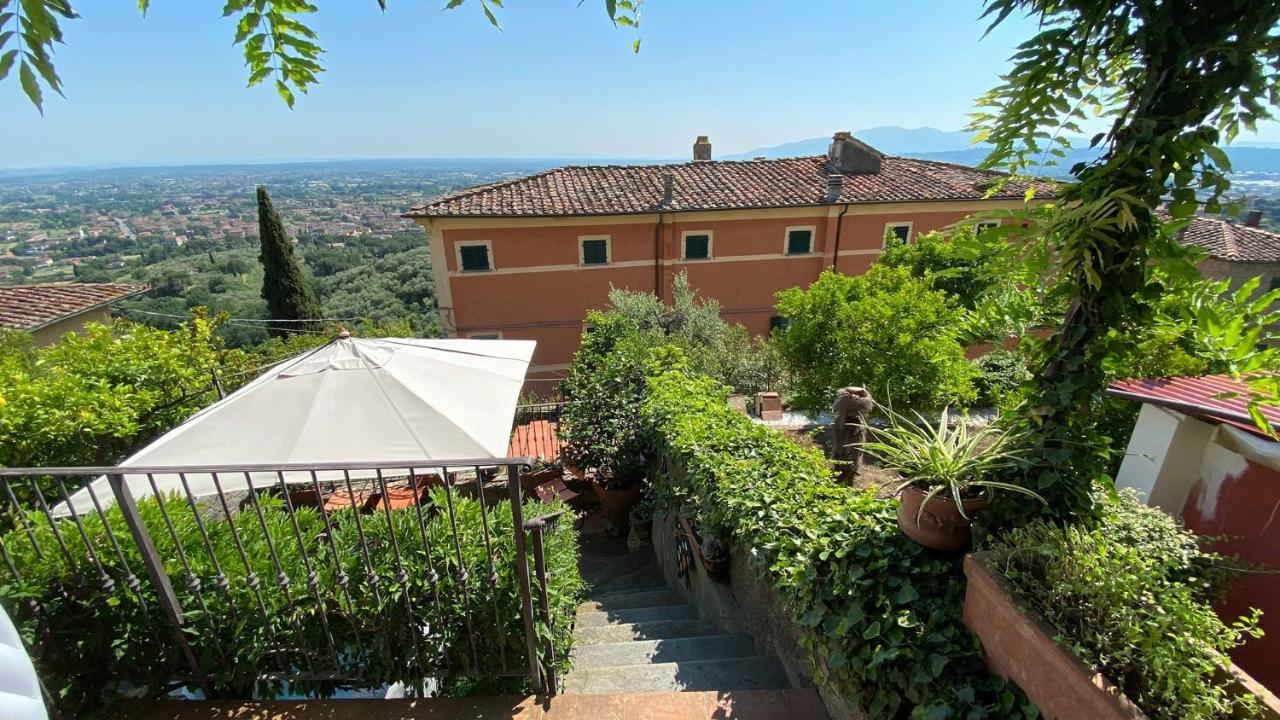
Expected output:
{"points": [[744, 604]]}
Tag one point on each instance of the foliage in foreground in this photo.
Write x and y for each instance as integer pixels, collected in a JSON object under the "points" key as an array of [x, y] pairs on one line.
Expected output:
{"points": [[88, 399], [1129, 596], [86, 639], [1175, 81], [880, 616], [886, 330]]}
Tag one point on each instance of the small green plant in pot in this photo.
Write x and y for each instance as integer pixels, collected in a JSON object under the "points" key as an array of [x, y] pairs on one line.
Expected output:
{"points": [[600, 426], [947, 474]]}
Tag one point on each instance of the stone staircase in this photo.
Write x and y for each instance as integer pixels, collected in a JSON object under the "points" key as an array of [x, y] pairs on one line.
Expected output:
{"points": [[634, 635]]}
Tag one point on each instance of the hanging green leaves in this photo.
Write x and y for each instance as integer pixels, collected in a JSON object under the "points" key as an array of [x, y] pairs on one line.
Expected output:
{"points": [[277, 44]]}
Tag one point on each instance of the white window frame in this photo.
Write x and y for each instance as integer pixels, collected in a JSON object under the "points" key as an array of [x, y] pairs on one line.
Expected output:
{"points": [[457, 253], [484, 334], [582, 251], [711, 245], [786, 239], [888, 228], [981, 225]]}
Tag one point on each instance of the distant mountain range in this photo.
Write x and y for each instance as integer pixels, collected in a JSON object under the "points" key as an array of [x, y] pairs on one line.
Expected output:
{"points": [[954, 146]]}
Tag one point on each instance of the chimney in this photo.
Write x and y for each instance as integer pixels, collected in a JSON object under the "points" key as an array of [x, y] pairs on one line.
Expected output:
{"points": [[702, 149], [835, 184], [849, 156], [668, 189], [1253, 219]]}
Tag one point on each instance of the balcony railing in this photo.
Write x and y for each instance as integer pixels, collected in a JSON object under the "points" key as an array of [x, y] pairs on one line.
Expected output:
{"points": [[260, 580]]}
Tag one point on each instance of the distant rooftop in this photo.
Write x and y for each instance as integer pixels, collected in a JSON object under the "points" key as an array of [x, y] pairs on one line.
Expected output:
{"points": [[1233, 241], [868, 177], [31, 307]]}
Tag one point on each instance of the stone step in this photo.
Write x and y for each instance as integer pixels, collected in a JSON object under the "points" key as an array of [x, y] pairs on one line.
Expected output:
{"points": [[647, 596], [748, 673], [655, 630], [597, 618], [613, 565], [614, 581], [670, 650]]}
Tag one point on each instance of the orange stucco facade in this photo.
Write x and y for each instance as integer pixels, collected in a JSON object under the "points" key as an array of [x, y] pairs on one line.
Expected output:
{"points": [[538, 288]]}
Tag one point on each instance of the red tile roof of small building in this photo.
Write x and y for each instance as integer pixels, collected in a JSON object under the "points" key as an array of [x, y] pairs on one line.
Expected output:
{"points": [[717, 185], [1232, 241], [1200, 396], [31, 307]]}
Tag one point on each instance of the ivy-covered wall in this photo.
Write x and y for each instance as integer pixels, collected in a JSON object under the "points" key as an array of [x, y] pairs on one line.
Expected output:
{"points": [[880, 617]]}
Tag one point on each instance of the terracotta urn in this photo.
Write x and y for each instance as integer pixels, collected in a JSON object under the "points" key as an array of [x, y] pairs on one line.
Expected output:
{"points": [[617, 504], [940, 526]]}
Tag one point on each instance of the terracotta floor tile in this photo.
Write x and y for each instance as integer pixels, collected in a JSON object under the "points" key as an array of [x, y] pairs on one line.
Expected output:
{"points": [[667, 706], [585, 707], [768, 705]]}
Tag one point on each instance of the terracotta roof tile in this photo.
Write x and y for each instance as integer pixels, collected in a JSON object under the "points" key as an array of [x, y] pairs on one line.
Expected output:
{"points": [[31, 307], [1232, 241], [715, 185]]}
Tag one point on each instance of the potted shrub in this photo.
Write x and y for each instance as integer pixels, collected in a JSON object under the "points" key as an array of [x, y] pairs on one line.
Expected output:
{"points": [[600, 426], [946, 474], [540, 473]]}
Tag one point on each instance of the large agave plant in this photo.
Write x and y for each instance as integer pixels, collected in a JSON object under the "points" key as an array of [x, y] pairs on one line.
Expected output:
{"points": [[951, 460]]}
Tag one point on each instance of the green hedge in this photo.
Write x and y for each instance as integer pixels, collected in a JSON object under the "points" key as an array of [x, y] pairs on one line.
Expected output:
{"points": [[1131, 598], [93, 645], [881, 616]]}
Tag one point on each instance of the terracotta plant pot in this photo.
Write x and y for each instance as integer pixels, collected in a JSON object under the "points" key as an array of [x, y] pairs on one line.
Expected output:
{"points": [[940, 526], [617, 504], [531, 480]]}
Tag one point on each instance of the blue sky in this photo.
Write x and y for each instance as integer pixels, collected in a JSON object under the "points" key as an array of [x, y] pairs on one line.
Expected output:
{"points": [[559, 81]]}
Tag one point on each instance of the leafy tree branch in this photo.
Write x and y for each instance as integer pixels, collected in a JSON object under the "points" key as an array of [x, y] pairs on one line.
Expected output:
{"points": [[278, 44]]}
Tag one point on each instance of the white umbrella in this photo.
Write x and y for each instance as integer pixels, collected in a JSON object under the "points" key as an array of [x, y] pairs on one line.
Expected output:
{"points": [[352, 400]]}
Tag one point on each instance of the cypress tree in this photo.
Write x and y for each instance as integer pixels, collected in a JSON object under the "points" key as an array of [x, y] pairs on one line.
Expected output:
{"points": [[284, 286]]}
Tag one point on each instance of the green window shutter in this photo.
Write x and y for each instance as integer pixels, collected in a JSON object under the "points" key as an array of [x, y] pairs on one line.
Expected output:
{"points": [[595, 252], [799, 242], [697, 247], [474, 257]]}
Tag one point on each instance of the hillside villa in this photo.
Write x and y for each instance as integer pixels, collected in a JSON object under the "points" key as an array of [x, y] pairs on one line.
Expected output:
{"points": [[525, 259]]}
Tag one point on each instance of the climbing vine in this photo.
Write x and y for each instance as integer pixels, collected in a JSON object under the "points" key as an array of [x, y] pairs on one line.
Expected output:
{"points": [[1174, 80]]}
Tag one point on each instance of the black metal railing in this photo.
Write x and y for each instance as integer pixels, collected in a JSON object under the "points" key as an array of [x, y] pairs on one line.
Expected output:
{"points": [[253, 580]]}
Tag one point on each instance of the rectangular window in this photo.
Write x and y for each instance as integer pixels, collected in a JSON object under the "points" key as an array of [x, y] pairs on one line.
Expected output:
{"points": [[697, 246], [595, 251], [474, 258], [986, 225], [899, 232], [777, 322], [799, 241]]}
